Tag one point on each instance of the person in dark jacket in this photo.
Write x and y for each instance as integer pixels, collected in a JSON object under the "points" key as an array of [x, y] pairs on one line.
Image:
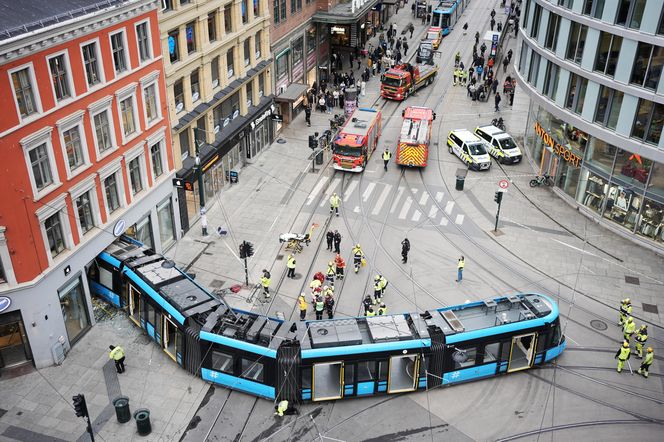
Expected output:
{"points": [[330, 239], [496, 100], [405, 248], [337, 242]]}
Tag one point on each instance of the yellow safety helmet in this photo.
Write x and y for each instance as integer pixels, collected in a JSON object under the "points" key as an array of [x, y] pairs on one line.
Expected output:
{"points": [[331, 263], [649, 350], [630, 319], [625, 344], [627, 300], [644, 327], [325, 287], [302, 295], [377, 277], [357, 245]]}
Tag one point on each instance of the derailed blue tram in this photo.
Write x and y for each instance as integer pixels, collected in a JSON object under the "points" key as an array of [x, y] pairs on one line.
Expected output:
{"points": [[323, 360]]}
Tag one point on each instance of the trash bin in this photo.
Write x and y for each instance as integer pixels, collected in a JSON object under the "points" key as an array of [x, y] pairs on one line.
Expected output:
{"points": [[122, 412], [142, 417], [460, 178], [319, 157]]}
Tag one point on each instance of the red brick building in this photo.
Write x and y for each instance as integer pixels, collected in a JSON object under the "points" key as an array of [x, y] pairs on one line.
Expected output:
{"points": [[86, 156]]}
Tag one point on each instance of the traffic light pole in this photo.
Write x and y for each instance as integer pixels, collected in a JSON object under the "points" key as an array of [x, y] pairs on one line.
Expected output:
{"points": [[495, 228], [92, 435], [246, 273]]}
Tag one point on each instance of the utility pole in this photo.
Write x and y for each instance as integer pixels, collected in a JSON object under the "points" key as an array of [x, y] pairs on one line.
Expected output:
{"points": [[81, 409], [498, 198]]}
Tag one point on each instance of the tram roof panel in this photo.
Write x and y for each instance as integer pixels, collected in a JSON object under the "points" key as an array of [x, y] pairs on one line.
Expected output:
{"points": [[185, 295]]}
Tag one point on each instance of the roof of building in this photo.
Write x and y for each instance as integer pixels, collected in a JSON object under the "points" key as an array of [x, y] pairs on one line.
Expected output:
{"points": [[20, 17]]}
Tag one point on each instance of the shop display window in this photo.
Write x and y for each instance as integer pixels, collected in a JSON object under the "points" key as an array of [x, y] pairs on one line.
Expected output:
{"points": [[568, 178], [593, 191], [656, 181], [622, 205], [600, 155], [631, 168], [74, 309], [651, 221]]}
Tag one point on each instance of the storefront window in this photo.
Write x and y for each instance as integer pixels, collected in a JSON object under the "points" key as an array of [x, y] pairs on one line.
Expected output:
{"points": [[651, 222], [322, 37], [311, 39], [166, 230], [631, 169], [656, 183], [282, 66], [623, 204], [600, 155], [142, 231], [74, 310], [340, 35], [592, 190], [298, 51], [568, 178]]}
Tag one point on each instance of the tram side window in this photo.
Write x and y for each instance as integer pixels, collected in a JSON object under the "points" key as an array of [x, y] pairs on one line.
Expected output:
{"points": [[306, 377], [505, 351], [349, 374], [464, 357], [383, 366], [366, 371], [252, 370], [556, 334], [105, 277], [151, 314], [491, 352], [222, 362], [542, 342]]}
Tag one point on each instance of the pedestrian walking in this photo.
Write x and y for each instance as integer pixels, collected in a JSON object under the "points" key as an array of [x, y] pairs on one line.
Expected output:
{"points": [[334, 205], [505, 63], [516, 27], [511, 97], [494, 85], [340, 265], [265, 283], [118, 356], [329, 305], [363, 87], [465, 28], [629, 328], [405, 48], [492, 13], [625, 310], [496, 100], [641, 338], [370, 312], [457, 58], [499, 27], [307, 115], [358, 257], [647, 362], [405, 248], [337, 242], [492, 23], [460, 265], [509, 56], [319, 307], [483, 48], [622, 355], [411, 28], [386, 157], [290, 264], [302, 304], [329, 236], [204, 223], [477, 38]]}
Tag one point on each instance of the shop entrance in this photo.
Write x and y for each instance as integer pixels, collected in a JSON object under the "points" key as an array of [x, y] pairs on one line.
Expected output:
{"points": [[14, 346]]}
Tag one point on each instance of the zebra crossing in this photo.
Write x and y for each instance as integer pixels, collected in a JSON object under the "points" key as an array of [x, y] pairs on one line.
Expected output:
{"points": [[412, 204]]}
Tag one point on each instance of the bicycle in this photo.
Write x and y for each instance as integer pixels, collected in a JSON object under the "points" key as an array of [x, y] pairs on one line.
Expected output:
{"points": [[543, 180]]}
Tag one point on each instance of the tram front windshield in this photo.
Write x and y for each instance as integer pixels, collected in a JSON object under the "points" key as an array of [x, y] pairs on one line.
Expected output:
{"points": [[444, 20], [346, 150]]}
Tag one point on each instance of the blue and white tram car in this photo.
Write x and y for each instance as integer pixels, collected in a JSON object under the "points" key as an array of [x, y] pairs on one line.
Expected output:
{"points": [[446, 14]]}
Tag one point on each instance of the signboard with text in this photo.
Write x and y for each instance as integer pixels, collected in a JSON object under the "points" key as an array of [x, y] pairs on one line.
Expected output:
{"points": [[563, 152]]}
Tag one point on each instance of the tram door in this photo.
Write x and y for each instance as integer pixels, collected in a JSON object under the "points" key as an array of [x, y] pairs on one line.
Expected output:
{"points": [[172, 339], [522, 352], [403, 373], [328, 381], [134, 305]]}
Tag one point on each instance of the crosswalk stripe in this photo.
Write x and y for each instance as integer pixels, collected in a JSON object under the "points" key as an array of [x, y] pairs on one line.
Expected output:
{"points": [[316, 189], [396, 200], [405, 208], [459, 219], [356, 209], [381, 199], [424, 198], [433, 212], [414, 190], [448, 207], [416, 216], [439, 196], [333, 185], [350, 189], [443, 221], [367, 191]]}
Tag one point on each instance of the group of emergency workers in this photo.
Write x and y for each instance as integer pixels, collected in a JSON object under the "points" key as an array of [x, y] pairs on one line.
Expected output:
{"points": [[629, 329]]}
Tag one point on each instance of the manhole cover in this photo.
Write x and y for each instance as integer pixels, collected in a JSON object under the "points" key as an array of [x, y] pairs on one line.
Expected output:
{"points": [[632, 280], [650, 308], [598, 325], [281, 141]]}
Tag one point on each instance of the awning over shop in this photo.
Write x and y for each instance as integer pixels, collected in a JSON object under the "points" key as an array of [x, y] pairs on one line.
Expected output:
{"points": [[343, 13], [293, 93], [389, 2]]}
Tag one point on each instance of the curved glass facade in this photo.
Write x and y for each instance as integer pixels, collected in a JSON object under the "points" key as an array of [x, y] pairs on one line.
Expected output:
{"points": [[592, 69]]}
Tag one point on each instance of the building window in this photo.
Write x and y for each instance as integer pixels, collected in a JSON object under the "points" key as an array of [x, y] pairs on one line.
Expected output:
{"points": [[565, 3], [212, 26], [283, 10], [23, 91], [257, 8], [174, 45], [84, 208], [184, 2], [165, 219], [296, 6], [143, 39], [230, 108], [184, 143], [526, 10], [229, 62], [261, 85], [58, 68], [167, 5], [3, 277], [228, 19], [200, 131], [127, 114], [151, 102], [577, 41], [608, 107], [247, 52], [73, 148], [576, 93], [311, 39], [276, 11], [648, 122], [214, 71], [594, 8], [533, 70], [103, 131], [41, 167], [112, 193], [608, 51], [54, 234], [282, 66], [74, 310], [250, 93], [119, 52], [298, 51], [157, 164], [537, 16], [190, 32], [551, 80], [178, 94], [630, 13], [245, 11], [551, 40], [257, 44], [195, 86], [91, 63], [660, 28], [647, 66], [135, 178]]}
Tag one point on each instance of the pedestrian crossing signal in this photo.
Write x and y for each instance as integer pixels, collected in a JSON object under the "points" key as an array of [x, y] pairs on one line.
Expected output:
{"points": [[246, 250], [498, 197], [80, 407]]}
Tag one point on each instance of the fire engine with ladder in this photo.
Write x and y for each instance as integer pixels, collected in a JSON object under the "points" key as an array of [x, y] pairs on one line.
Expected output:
{"points": [[413, 147]]}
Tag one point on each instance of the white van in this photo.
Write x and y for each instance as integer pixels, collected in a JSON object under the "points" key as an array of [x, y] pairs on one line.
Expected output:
{"points": [[501, 145], [469, 148]]}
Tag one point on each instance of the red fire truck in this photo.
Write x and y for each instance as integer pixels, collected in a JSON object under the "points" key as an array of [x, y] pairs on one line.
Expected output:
{"points": [[413, 147], [356, 140], [404, 79]]}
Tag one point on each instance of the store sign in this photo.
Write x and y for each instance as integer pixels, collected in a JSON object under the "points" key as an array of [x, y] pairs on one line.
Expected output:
{"points": [[260, 119], [562, 151], [5, 302], [119, 227], [338, 30], [211, 162]]}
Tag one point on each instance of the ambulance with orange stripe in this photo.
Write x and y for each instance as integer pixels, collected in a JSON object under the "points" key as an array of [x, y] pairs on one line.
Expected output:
{"points": [[413, 147]]}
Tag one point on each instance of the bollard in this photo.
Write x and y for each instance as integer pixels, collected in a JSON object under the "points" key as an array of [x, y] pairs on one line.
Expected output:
{"points": [[122, 412], [142, 417]]}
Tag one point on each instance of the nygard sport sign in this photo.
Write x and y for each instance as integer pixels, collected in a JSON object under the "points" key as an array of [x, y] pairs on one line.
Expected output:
{"points": [[562, 151]]}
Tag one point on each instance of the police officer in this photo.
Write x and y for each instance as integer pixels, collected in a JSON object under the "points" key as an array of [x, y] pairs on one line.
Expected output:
{"points": [[629, 328], [383, 284], [622, 355], [340, 265], [319, 306], [405, 248], [330, 272], [370, 312], [457, 59], [460, 265], [367, 303], [464, 76], [291, 266], [456, 77], [329, 304], [329, 236], [358, 255], [378, 292], [625, 310], [118, 356], [386, 157], [382, 310], [302, 303], [265, 282], [337, 242], [647, 362], [641, 338], [283, 408], [334, 204]]}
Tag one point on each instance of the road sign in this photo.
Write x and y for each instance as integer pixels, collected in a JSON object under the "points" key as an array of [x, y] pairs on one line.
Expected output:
{"points": [[503, 184]]}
